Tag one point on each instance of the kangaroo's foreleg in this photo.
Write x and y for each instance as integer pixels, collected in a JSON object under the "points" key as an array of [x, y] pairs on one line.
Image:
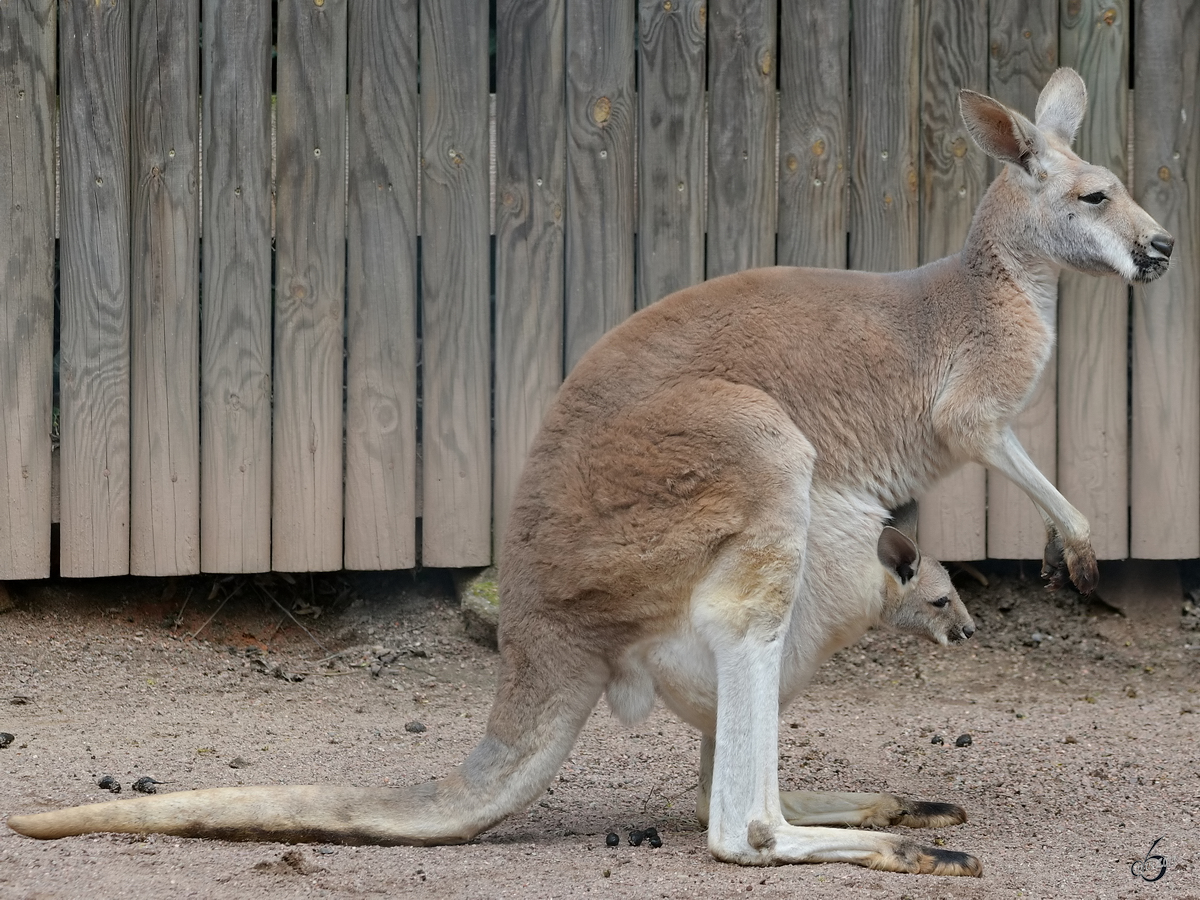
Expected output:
{"points": [[1068, 534], [840, 807]]}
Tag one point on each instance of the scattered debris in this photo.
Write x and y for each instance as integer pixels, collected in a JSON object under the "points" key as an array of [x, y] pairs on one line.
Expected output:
{"points": [[291, 862], [146, 785], [6, 739], [415, 727], [240, 762], [20, 700], [937, 739], [963, 740], [109, 783]]}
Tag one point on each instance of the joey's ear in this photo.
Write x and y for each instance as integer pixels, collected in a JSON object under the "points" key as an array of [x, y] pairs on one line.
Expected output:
{"points": [[1002, 133], [1061, 106], [898, 553], [904, 518]]}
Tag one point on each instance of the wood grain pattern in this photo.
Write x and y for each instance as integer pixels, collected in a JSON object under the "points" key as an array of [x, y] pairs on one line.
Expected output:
{"points": [[310, 258], [456, 518], [94, 292], [742, 128], [1023, 39], [235, 382], [27, 110], [600, 123], [953, 519], [885, 81], [1165, 463], [381, 339], [164, 537], [671, 146], [531, 166], [1093, 313], [814, 136]]}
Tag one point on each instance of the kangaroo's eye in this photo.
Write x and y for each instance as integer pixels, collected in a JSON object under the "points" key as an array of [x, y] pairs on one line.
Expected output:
{"points": [[941, 602], [1095, 198]]}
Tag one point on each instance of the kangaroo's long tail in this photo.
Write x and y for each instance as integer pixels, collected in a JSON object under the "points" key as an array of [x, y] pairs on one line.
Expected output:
{"points": [[533, 725]]}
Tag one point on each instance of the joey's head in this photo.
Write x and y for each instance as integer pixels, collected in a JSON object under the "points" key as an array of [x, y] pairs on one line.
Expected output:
{"points": [[919, 598], [1054, 205]]}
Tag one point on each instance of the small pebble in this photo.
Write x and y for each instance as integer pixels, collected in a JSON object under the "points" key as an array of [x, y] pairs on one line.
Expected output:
{"points": [[6, 739], [1070, 739], [612, 839], [110, 784], [635, 838], [937, 739], [415, 727], [963, 740], [239, 762]]}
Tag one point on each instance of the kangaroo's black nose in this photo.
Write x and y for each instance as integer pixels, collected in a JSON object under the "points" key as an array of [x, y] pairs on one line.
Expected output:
{"points": [[968, 630], [1163, 243]]}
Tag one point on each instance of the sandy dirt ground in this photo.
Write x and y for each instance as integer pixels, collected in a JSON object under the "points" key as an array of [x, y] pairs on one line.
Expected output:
{"points": [[1084, 729]]}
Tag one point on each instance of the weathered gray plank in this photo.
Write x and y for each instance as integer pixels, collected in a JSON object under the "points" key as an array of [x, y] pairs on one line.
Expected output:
{"points": [[600, 123], [953, 521], [531, 195], [164, 536], [94, 292], [456, 433], [381, 339], [671, 139], [235, 383], [885, 81], [310, 229], [1093, 314], [814, 139], [27, 110], [742, 207], [1165, 462], [1023, 36]]}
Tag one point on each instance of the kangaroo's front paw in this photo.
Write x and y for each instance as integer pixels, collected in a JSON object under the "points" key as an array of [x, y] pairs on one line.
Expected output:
{"points": [[1081, 563]]}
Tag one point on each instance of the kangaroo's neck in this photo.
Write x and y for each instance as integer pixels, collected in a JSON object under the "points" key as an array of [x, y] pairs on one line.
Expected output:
{"points": [[1003, 257]]}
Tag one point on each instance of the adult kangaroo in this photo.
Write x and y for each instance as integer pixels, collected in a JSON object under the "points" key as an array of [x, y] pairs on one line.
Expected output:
{"points": [[681, 487]]}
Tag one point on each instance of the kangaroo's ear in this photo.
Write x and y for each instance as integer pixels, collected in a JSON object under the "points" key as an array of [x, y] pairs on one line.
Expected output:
{"points": [[1002, 133], [898, 553], [1061, 106], [904, 518]]}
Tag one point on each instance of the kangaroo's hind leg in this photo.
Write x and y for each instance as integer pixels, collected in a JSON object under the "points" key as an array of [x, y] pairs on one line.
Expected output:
{"points": [[840, 807]]}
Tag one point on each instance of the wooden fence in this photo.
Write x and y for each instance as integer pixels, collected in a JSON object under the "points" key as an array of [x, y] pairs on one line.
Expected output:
{"points": [[295, 308]]}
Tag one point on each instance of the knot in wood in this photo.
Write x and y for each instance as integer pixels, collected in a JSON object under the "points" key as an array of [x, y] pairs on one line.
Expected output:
{"points": [[959, 148], [1164, 173], [1110, 16], [601, 110], [766, 62], [818, 147]]}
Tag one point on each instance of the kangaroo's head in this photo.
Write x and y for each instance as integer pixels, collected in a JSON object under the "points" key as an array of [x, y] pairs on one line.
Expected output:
{"points": [[919, 598], [1060, 207]]}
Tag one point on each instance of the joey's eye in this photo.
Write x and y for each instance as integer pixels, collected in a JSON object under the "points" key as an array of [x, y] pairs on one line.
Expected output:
{"points": [[941, 602], [1095, 198]]}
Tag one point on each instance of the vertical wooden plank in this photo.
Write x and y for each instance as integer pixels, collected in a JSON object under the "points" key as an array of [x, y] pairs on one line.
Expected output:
{"points": [[742, 207], [381, 339], [1093, 314], [671, 136], [164, 536], [235, 383], [310, 260], [600, 122], [953, 522], [94, 292], [885, 81], [1023, 36], [1165, 463], [28, 101], [531, 167], [814, 140], [457, 464]]}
